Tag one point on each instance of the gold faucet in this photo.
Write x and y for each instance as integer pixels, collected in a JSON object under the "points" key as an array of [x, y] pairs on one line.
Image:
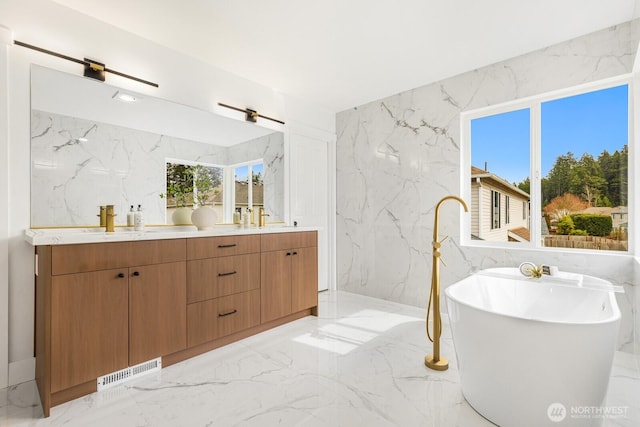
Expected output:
{"points": [[434, 361], [109, 219], [103, 216], [261, 215]]}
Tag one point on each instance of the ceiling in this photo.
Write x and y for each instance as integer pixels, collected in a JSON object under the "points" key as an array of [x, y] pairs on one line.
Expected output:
{"points": [[344, 53]]}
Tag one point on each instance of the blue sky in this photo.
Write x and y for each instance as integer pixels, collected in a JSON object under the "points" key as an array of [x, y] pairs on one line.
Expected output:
{"points": [[587, 123], [242, 171]]}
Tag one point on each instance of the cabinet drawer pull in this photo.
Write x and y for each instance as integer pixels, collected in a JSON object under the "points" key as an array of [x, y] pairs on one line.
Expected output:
{"points": [[228, 313], [121, 275], [228, 246], [288, 253], [136, 273], [295, 253], [227, 274]]}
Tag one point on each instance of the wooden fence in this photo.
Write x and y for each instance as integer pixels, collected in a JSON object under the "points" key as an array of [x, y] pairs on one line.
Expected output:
{"points": [[585, 242]]}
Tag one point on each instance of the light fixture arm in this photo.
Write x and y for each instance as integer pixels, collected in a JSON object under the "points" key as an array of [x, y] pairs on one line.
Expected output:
{"points": [[250, 115]]}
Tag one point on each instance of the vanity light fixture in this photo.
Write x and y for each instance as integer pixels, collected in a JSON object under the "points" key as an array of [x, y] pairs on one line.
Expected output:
{"points": [[250, 115], [92, 69]]}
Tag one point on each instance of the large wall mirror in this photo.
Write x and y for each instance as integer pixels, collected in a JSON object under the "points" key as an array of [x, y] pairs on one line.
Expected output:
{"points": [[93, 144]]}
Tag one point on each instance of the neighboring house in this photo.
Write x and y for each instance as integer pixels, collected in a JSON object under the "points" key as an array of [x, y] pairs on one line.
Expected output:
{"points": [[242, 195], [499, 210], [619, 215]]}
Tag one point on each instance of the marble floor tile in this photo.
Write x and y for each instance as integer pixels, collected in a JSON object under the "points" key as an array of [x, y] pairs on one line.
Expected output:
{"points": [[360, 363]]}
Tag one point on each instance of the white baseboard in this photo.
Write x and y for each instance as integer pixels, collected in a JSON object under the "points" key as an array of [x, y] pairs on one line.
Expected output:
{"points": [[22, 371]]}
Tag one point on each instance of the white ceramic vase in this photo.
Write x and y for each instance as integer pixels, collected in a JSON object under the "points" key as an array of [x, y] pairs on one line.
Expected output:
{"points": [[182, 216], [204, 218]]}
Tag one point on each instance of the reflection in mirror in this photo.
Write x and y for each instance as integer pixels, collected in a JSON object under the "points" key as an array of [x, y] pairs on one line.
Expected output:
{"points": [[88, 149], [249, 189]]}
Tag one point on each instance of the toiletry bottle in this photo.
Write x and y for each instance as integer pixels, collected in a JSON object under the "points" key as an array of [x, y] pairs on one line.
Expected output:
{"points": [[131, 217], [139, 220], [245, 218]]}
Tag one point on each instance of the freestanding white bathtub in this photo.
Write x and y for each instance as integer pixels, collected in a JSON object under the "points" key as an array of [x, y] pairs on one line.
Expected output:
{"points": [[532, 352]]}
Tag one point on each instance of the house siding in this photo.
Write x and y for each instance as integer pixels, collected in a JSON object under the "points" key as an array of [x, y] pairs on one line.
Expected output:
{"points": [[481, 222], [475, 218]]}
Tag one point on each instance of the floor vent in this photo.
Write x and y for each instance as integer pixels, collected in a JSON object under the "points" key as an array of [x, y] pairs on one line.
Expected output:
{"points": [[129, 373]]}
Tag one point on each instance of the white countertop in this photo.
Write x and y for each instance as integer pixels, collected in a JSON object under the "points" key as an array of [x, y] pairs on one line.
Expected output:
{"points": [[66, 236]]}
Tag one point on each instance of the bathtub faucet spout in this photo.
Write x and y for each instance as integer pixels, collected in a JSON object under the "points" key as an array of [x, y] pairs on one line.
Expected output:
{"points": [[434, 361]]}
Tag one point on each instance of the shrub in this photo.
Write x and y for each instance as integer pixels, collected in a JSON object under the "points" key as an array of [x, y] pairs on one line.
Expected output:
{"points": [[565, 225], [578, 232], [594, 225]]}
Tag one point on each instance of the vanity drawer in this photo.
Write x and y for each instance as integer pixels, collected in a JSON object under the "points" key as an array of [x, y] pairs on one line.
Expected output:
{"points": [[66, 259], [280, 241], [209, 247], [212, 319], [217, 277]]}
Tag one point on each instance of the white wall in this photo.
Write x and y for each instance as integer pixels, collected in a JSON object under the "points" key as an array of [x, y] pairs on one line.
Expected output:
{"points": [[398, 156], [5, 39], [182, 79]]}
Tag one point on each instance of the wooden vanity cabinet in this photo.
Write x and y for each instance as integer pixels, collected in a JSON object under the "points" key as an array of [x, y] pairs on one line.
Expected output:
{"points": [[102, 307], [289, 274]]}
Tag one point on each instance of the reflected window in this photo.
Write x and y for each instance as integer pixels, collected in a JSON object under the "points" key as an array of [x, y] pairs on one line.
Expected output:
{"points": [[189, 185], [249, 188]]}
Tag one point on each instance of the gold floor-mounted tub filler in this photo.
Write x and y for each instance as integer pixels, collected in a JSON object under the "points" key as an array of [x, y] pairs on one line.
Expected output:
{"points": [[434, 361]]}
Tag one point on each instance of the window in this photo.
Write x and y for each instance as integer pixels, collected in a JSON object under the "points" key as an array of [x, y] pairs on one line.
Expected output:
{"points": [[495, 209], [563, 158], [506, 209]]}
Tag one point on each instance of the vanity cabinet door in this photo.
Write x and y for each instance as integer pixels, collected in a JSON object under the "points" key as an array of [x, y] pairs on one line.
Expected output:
{"points": [[157, 311], [304, 279], [289, 274], [88, 326], [275, 286]]}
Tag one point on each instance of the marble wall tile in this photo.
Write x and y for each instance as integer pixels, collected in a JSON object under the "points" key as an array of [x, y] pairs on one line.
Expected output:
{"points": [[78, 165], [398, 156]]}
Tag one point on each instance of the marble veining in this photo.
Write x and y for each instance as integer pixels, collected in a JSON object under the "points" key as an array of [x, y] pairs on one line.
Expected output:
{"points": [[396, 157], [78, 165], [360, 363]]}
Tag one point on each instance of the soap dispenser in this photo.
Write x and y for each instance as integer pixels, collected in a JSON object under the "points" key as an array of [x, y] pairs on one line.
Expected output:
{"points": [[139, 219], [245, 218], [131, 217]]}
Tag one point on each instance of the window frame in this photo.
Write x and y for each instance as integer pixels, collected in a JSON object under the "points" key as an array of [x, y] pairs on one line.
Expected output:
{"points": [[534, 105], [496, 199]]}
